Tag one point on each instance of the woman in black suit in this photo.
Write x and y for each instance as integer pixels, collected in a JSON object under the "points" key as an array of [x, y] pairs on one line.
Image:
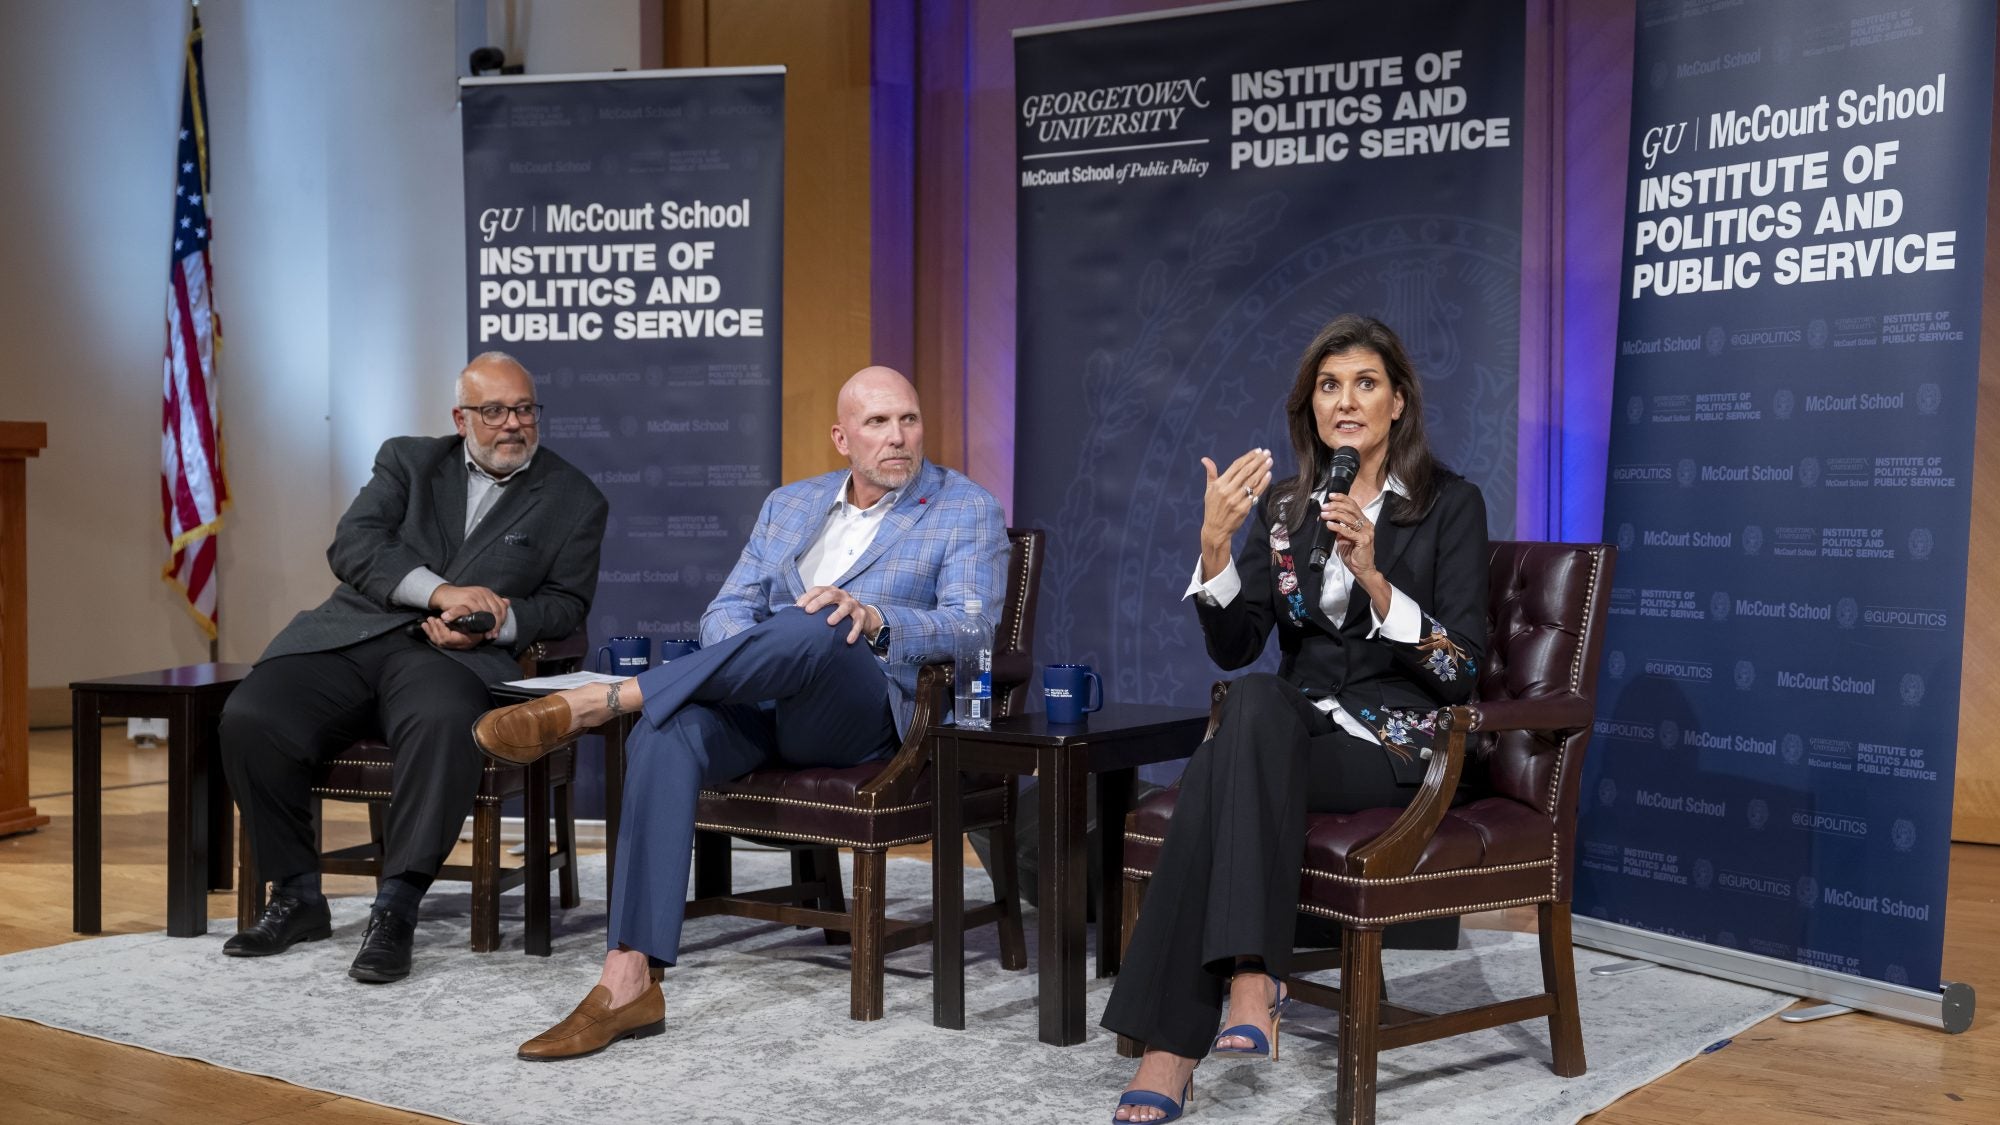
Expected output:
{"points": [[1391, 629]]}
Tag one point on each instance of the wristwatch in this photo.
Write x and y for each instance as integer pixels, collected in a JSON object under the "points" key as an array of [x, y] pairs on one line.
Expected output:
{"points": [[879, 643]]}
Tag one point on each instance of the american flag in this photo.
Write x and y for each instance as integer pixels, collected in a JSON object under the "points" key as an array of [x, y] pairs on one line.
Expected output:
{"points": [[192, 490]]}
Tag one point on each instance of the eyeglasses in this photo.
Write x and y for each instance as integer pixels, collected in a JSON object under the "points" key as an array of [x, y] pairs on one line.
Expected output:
{"points": [[494, 414]]}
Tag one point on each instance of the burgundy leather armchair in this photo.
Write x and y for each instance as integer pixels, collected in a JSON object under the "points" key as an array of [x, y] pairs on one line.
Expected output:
{"points": [[363, 772], [871, 808], [1521, 750]]}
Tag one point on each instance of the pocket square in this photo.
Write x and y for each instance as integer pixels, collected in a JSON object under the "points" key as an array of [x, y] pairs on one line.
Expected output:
{"points": [[516, 539]]}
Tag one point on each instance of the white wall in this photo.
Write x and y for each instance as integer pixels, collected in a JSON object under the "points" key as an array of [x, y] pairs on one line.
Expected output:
{"points": [[90, 132], [336, 188]]}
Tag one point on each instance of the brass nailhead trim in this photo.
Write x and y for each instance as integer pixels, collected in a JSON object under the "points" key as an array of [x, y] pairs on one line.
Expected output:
{"points": [[1427, 877], [1589, 607], [1416, 914], [1388, 881], [1137, 875], [1027, 567], [370, 795], [833, 841], [361, 794], [853, 810]]}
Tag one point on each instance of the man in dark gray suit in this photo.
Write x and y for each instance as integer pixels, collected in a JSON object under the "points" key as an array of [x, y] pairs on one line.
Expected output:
{"points": [[484, 522]]}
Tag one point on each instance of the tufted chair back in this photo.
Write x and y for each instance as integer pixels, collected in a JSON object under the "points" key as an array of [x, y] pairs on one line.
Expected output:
{"points": [[1014, 629], [1544, 635]]}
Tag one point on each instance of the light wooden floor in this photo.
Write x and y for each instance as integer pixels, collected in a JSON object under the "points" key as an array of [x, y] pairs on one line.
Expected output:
{"points": [[1855, 1068]]}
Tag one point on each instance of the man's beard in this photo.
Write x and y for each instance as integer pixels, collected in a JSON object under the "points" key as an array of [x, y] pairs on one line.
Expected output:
{"points": [[501, 458], [881, 479]]}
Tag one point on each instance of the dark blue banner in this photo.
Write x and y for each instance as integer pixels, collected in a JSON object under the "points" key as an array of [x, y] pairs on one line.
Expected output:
{"points": [[624, 241], [1198, 194], [1790, 479]]}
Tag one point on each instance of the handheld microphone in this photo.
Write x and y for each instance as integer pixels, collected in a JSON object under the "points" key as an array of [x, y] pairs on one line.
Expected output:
{"points": [[1340, 474], [479, 621]]}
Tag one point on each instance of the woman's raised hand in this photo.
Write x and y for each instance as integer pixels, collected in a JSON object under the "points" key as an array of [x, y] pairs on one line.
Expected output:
{"points": [[1227, 501]]}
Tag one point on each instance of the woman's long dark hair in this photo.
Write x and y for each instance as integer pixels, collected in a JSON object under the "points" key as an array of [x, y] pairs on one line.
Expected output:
{"points": [[1409, 456]]}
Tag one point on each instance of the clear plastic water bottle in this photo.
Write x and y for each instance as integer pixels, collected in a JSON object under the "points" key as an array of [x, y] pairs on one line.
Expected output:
{"points": [[972, 678]]}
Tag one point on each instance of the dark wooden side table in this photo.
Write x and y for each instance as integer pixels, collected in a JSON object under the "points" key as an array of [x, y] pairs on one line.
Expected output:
{"points": [[199, 819], [1112, 744], [614, 734]]}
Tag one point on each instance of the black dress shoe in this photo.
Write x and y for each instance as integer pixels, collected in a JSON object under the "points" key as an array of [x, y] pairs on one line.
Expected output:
{"points": [[284, 923], [385, 949]]}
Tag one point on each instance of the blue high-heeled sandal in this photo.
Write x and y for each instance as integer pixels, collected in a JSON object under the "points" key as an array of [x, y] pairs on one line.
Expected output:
{"points": [[1259, 1046], [1150, 1100]]}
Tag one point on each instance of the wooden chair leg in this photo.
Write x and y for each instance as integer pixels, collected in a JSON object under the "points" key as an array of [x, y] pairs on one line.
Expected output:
{"points": [[378, 834], [1006, 875], [871, 869], [485, 877], [318, 818], [837, 897], [249, 888], [711, 864], [1135, 897], [826, 870], [1559, 979], [1360, 1025], [566, 846]]}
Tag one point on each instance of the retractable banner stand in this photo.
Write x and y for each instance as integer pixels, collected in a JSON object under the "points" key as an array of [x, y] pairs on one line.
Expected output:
{"points": [[624, 241], [1769, 791], [1198, 194]]}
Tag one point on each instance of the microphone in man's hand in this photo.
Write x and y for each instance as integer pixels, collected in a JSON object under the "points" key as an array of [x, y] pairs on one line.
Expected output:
{"points": [[1340, 474], [476, 622]]}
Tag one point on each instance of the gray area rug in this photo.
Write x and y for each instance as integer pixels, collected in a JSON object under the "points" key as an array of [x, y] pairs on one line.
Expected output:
{"points": [[758, 1028]]}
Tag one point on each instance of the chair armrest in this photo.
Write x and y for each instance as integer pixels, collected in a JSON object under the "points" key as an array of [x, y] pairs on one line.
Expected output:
{"points": [[1396, 850], [898, 779], [1217, 692], [1563, 712], [555, 658], [1010, 670]]}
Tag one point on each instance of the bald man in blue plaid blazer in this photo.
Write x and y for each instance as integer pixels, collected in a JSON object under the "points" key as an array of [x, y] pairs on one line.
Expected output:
{"points": [[941, 543], [809, 658]]}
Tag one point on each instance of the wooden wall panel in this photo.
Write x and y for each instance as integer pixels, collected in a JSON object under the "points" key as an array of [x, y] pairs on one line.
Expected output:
{"points": [[825, 47], [1596, 85], [1976, 800]]}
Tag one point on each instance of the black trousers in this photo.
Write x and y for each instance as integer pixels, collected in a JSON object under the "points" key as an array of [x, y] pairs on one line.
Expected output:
{"points": [[1227, 882], [292, 713]]}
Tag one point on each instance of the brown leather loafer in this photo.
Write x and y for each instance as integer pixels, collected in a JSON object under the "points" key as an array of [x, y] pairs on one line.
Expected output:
{"points": [[596, 1025], [523, 732]]}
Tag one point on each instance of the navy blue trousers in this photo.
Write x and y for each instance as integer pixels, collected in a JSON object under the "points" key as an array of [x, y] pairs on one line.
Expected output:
{"points": [[788, 691]]}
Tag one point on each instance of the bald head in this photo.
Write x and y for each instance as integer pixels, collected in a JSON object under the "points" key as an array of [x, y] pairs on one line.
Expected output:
{"points": [[495, 372], [493, 381], [880, 430], [870, 381]]}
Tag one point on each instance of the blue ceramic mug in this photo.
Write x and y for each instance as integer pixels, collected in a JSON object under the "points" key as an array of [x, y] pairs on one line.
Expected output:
{"points": [[629, 656], [671, 647], [1067, 690]]}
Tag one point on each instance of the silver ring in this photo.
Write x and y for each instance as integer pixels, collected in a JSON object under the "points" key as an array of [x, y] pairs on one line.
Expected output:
{"points": [[1250, 492]]}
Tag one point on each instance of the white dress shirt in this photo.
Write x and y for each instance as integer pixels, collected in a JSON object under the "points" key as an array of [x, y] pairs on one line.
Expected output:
{"points": [[846, 536], [1404, 622]]}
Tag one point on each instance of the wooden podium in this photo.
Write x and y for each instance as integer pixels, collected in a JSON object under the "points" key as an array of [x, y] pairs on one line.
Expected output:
{"points": [[18, 442]]}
